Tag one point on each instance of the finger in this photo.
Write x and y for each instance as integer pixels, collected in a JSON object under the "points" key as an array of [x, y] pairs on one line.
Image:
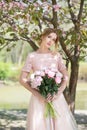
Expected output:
{"points": [[49, 99], [49, 95], [54, 97]]}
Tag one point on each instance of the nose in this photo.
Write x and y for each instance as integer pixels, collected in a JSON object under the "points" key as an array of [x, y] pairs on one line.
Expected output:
{"points": [[50, 41]]}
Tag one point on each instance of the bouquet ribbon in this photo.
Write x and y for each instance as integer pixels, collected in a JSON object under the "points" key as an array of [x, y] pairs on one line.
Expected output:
{"points": [[50, 110]]}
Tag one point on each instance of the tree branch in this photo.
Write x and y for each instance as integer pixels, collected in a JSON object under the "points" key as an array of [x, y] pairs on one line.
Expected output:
{"points": [[47, 19], [81, 10], [32, 43], [13, 39], [65, 49], [39, 24], [73, 17], [54, 19], [3, 46]]}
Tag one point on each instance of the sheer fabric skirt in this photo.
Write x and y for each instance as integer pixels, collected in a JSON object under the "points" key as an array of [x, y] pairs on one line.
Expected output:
{"points": [[36, 119]]}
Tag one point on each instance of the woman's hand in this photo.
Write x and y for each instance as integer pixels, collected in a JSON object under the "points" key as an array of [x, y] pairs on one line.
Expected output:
{"points": [[51, 98], [60, 91], [38, 95], [25, 82]]}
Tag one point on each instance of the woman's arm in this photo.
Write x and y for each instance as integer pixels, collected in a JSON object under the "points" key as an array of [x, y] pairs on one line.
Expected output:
{"points": [[62, 68], [64, 81], [24, 81]]}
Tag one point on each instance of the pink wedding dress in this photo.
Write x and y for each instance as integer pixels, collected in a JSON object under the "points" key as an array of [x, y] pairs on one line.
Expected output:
{"points": [[36, 119]]}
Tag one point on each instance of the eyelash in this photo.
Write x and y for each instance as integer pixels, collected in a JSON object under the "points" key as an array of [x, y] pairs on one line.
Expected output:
{"points": [[50, 37]]}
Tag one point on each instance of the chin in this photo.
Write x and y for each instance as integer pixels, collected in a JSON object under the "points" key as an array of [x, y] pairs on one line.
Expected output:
{"points": [[48, 47]]}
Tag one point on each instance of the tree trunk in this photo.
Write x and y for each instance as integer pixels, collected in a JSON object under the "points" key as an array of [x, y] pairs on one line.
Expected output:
{"points": [[20, 54], [73, 84], [13, 56]]}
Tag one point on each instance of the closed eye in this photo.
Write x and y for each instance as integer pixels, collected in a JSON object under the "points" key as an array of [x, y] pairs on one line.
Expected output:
{"points": [[49, 36], [54, 39]]}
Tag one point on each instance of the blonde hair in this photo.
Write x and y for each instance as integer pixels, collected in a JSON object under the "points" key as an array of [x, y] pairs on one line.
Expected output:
{"points": [[46, 32]]}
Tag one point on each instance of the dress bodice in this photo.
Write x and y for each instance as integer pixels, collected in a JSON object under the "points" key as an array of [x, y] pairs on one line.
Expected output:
{"points": [[41, 61], [38, 61]]}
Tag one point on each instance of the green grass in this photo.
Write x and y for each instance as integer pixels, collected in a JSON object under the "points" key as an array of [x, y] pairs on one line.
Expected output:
{"points": [[83, 70], [82, 86], [15, 96], [81, 96]]}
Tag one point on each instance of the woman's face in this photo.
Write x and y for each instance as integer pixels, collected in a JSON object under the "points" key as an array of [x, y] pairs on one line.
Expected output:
{"points": [[49, 40]]}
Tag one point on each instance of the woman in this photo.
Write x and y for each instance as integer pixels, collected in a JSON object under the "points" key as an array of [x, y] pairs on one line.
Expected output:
{"points": [[37, 60]]}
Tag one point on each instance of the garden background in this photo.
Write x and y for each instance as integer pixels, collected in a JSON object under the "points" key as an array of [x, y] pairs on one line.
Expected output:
{"points": [[21, 23]]}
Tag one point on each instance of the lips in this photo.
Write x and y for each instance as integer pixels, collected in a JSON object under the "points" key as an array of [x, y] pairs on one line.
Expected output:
{"points": [[48, 43]]}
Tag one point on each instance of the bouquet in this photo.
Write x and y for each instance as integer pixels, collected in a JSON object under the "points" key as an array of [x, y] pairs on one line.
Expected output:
{"points": [[47, 81]]}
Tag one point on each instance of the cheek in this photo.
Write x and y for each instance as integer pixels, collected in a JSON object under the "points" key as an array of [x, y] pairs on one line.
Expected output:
{"points": [[53, 43], [46, 40]]}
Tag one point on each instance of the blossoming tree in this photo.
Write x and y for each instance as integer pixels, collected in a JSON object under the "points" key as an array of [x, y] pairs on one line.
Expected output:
{"points": [[25, 20]]}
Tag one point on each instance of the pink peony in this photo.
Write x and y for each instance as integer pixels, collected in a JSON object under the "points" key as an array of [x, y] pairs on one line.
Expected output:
{"points": [[39, 78], [51, 74], [59, 74], [53, 69], [46, 71], [58, 80], [36, 82]]}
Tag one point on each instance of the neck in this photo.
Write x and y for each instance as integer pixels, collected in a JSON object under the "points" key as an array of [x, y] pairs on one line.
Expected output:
{"points": [[42, 49]]}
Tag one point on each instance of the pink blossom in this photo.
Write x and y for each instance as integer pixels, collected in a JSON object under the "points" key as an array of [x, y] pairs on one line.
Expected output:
{"points": [[22, 5], [45, 5], [36, 5], [58, 80], [11, 5], [64, 34], [56, 7], [2, 4]]}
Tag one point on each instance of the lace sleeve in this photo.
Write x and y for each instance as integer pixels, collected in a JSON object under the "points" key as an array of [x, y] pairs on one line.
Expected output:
{"points": [[28, 63], [62, 68]]}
